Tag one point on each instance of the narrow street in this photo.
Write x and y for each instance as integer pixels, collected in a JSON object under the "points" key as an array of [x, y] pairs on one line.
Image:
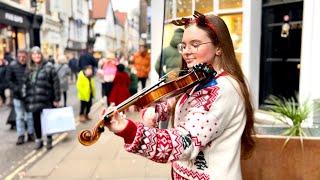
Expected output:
{"points": [[12, 156]]}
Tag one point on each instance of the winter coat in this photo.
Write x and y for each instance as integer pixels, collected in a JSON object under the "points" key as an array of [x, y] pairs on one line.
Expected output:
{"points": [[107, 69], [74, 65], [15, 76], [63, 72], [133, 88], [85, 86], [172, 59], [87, 59], [120, 88], [142, 64], [3, 82], [42, 87]]}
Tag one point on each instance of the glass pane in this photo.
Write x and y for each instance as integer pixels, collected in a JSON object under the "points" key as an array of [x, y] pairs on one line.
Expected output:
{"points": [[204, 6], [227, 4], [234, 23], [21, 39], [184, 8], [169, 10]]}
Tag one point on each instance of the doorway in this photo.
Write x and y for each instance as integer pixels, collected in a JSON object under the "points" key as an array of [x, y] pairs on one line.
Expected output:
{"points": [[280, 48]]}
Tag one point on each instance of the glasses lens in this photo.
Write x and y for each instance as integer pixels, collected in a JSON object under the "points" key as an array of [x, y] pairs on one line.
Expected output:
{"points": [[180, 47]]}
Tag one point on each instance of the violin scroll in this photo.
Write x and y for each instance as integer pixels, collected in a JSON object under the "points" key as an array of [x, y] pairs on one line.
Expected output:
{"points": [[89, 137]]}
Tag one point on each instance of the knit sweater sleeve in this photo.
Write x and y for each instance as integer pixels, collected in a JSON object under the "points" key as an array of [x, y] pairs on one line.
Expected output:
{"points": [[199, 121]]}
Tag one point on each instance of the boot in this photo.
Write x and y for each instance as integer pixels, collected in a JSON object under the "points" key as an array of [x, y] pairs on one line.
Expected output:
{"points": [[39, 144], [20, 140], [49, 142], [31, 137], [87, 117], [82, 118]]}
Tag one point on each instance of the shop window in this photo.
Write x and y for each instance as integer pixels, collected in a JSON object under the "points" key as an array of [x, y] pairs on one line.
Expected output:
{"points": [[169, 9], [234, 23], [228, 4], [21, 38], [184, 8], [204, 6]]}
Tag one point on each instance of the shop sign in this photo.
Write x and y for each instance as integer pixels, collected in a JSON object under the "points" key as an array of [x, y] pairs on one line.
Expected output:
{"points": [[13, 17]]}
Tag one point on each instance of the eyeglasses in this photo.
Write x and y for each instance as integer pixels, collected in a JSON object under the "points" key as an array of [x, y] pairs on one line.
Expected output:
{"points": [[193, 46]]}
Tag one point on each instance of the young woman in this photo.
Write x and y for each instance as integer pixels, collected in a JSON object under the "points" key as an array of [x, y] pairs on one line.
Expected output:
{"points": [[213, 121], [42, 91]]}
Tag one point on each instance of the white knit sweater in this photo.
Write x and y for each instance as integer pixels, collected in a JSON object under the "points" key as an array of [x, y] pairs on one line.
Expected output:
{"points": [[206, 139]]}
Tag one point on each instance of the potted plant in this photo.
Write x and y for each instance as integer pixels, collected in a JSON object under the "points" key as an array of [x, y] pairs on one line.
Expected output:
{"points": [[291, 154]]}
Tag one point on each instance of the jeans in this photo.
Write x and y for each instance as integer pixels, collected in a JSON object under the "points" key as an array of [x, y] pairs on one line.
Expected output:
{"points": [[22, 117]]}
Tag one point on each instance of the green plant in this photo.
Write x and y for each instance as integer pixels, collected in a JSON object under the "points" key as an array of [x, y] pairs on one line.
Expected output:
{"points": [[290, 112]]}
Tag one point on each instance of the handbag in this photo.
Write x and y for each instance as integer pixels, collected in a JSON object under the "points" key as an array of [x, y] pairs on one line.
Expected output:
{"points": [[57, 120]]}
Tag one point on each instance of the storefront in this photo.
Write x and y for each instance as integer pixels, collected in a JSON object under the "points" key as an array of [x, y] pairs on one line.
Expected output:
{"points": [[229, 10], [51, 38], [18, 29]]}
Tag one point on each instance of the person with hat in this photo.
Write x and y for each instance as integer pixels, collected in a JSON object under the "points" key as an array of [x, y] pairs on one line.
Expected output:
{"points": [[41, 90], [171, 58], [142, 63]]}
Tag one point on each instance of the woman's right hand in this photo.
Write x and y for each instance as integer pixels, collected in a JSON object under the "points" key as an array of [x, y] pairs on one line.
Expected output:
{"points": [[118, 120]]}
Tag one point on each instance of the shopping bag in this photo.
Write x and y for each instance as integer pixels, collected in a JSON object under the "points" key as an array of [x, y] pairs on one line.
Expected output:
{"points": [[57, 120]]}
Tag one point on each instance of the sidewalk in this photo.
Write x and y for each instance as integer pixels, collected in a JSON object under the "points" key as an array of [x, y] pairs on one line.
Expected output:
{"points": [[106, 159]]}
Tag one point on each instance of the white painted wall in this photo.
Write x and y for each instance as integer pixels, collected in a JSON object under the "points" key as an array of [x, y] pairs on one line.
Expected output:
{"points": [[310, 63], [251, 28], [156, 35]]}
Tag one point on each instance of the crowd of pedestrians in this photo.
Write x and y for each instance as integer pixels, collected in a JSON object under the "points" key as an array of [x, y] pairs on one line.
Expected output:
{"points": [[36, 83]]}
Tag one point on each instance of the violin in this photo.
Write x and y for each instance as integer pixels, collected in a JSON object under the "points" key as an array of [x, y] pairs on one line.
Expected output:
{"points": [[150, 95]]}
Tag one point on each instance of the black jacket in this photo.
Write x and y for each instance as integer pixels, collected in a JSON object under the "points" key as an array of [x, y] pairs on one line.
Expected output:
{"points": [[87, 59], [15, 76], [42, 87], [3, 82]]}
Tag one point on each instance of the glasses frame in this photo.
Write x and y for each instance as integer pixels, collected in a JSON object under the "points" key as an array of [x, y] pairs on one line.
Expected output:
{"points": [[181, 49]]}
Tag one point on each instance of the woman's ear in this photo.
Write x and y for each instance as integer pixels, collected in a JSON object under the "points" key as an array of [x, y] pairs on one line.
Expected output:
{"points": [[218, 51]]}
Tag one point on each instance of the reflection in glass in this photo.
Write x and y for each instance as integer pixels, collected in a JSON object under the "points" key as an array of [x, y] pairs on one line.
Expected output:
{"points": [[204, 6], [169, 9], [184, 8], [234, 23], [227, 4]]}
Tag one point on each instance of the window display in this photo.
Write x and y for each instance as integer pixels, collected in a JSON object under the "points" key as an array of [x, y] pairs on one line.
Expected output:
{"points": [[227, 4], [184, 8], [234, 23], [204, 6]]}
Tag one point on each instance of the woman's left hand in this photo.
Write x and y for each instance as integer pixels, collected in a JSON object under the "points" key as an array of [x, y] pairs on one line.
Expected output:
{"points": [[118, 121]]}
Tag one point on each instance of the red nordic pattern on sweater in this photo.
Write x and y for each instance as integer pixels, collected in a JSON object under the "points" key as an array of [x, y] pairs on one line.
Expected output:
{"points": [[205, 97], [159, 145], [176, 176], [196, 141], [188, 172]]}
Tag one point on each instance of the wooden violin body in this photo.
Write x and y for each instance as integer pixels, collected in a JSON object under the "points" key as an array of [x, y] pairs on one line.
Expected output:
{"points": [[147, 97]]}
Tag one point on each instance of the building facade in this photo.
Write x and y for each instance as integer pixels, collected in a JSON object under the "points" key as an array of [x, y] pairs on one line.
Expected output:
{"points": [[274, 42], [19, 26]]}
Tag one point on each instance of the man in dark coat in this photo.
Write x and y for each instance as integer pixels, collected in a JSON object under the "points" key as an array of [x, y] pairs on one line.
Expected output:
{"points": [[15, 77], [87, 59], [74, 66]]}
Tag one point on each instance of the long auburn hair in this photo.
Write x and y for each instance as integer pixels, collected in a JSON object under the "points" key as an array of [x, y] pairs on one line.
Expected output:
{"points": [[218, 32]]}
